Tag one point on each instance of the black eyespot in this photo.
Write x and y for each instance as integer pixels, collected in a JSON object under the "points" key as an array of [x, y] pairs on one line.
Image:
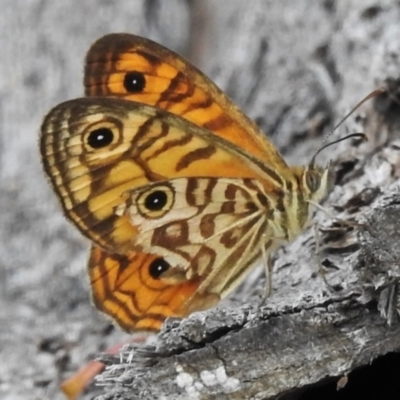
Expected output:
{"points": [[99, 138], [134, 82], [156, 200], [158, 267]]}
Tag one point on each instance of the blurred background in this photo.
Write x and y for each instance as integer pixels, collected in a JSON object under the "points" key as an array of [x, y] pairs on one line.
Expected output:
{"points": [[294, 67]]}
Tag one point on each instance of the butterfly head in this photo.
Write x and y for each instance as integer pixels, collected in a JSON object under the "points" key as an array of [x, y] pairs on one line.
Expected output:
{"points": [[317, 181], [314, 183]]}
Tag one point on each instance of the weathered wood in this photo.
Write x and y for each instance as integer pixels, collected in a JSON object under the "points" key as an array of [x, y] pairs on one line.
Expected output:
{"points": [[296, 67]]}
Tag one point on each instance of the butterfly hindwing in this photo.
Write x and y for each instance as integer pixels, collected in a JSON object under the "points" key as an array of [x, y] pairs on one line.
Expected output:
{"points": [[129, 289], [208, 228]]}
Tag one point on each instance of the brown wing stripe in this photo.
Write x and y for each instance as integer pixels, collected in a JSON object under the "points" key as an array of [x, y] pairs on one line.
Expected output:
{"points": [[195, 155], [170, 94]]}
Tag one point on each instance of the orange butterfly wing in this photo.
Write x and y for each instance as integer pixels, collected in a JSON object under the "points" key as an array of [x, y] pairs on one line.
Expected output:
{"points": [[126, 288], [137, 69]]}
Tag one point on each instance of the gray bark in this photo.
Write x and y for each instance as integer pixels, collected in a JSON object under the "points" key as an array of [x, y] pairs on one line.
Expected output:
{"points": [[296, 68]]}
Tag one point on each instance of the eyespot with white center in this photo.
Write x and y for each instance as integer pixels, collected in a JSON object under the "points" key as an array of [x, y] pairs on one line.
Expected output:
{"points": [[102, 135], [134, 82], [156, 201], [157, 267]]}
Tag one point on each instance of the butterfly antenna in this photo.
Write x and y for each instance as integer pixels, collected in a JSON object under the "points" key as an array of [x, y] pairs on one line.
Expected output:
{"points": [[352, 135], [324, 145]]}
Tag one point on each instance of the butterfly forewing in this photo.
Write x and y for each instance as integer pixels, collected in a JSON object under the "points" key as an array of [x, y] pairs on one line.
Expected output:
{"points": [[95, 150], [139, 69]]}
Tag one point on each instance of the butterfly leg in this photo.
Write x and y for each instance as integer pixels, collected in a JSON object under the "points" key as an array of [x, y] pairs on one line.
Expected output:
{"points": [[321, 270], [341, 221], [268, 277], [268, 265]]}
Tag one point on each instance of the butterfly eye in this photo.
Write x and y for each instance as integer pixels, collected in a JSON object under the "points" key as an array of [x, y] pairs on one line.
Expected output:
{"points": [[99, 138], [156, 202], [313, 180], [158, 267], [134, 82]]}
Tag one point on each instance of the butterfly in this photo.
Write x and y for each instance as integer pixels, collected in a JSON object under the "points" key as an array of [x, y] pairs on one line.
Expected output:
{"points": [[180, 193]]}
